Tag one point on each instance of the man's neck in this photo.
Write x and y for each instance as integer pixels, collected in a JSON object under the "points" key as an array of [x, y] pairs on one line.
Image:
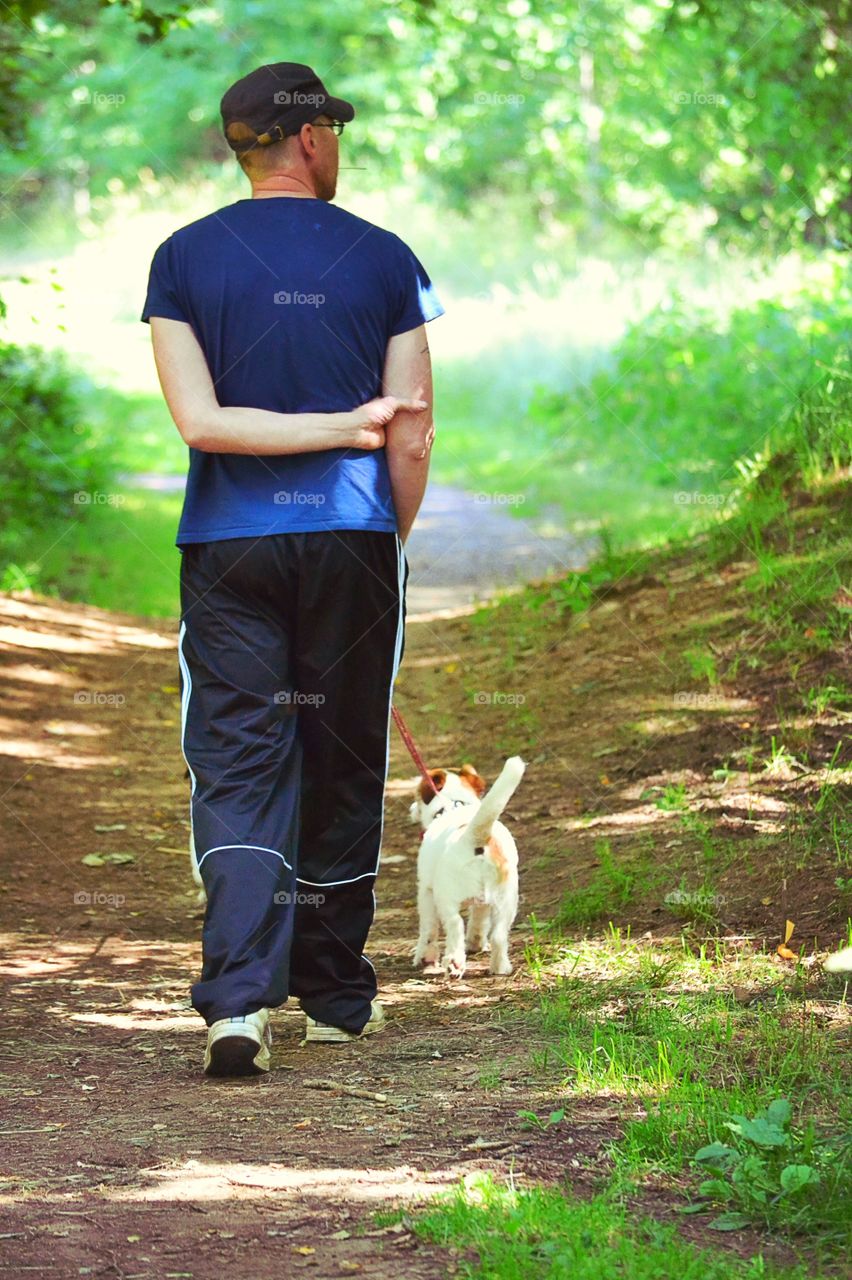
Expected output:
{"points": [[282, 184]]}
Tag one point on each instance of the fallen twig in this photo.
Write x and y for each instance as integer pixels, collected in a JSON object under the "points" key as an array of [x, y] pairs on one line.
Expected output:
{"points": [[348, 1089]]}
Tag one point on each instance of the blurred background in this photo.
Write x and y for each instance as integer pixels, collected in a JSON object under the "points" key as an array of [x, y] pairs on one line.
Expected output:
{"points": [[637, 216]]}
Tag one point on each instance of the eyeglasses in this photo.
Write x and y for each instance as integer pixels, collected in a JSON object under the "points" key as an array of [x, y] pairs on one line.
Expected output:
{"points": [[337, 125]]}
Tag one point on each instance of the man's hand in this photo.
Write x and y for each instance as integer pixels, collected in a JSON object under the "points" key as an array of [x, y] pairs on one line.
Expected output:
{"points": [[206, 425], [370, 419]]}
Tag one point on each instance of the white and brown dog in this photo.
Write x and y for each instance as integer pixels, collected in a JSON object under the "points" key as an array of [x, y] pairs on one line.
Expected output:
{"points": [[467, 859]]}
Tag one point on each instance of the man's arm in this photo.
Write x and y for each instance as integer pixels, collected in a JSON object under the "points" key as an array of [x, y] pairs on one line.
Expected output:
{"points": [[408, 375], [204, 424]]}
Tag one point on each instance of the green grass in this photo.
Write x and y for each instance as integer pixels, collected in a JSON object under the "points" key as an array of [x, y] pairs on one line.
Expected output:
{"points": [[550, 1234], [659, 1026]]}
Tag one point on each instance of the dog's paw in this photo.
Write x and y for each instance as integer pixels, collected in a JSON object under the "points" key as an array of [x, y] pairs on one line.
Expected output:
{"points": [[499, 968], [454, 966]]}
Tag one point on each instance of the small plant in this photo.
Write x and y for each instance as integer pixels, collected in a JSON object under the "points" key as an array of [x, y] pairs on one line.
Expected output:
{"points": [[820, 699], [770, 1176], [702, 665], [673, 797], [533, 1121], [613, 886], [781, 761]]}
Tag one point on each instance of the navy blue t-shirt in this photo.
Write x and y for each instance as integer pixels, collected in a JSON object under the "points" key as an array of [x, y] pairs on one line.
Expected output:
{"points": [[293, 301]]}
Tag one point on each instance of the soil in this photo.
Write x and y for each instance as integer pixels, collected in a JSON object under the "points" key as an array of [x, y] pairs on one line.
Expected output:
{"points": [[121, 1158]]}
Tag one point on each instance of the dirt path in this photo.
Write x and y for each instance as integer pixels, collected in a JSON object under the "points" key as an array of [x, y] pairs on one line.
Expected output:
{"points": [[121, 1159]]}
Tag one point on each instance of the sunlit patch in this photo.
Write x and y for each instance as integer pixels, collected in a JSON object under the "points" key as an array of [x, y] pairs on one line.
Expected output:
{"points": [[71, 728], [40, 675], [196, 1180], [125, 1021]]}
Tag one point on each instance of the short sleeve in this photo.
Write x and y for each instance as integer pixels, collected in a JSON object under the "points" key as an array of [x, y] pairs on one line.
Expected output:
{"points": [[415, 299], [162, 298]]}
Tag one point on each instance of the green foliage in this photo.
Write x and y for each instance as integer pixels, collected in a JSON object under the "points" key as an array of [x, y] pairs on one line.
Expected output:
{"points": [[689, 394], [774, 1176], [657, 122], [50, 466]]}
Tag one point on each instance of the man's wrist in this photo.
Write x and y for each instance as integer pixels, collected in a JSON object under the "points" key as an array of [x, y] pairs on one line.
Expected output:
{"points": [[349, 429]]}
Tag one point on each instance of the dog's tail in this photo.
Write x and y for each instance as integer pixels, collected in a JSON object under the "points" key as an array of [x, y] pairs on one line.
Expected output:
{"points": [[496, 800]]}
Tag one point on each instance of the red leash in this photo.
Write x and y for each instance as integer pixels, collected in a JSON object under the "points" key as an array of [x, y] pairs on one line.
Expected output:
{"points": [[412, 749]]}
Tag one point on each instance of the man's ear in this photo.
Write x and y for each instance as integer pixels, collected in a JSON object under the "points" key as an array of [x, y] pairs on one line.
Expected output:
{"points": [[308, 138]]}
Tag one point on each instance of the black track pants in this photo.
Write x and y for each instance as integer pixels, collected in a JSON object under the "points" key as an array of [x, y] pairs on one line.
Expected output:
{"points": [[289, 646]]}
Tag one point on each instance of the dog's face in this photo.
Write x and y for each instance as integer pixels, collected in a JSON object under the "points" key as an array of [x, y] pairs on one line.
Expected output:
{"points": [[455, 791]]}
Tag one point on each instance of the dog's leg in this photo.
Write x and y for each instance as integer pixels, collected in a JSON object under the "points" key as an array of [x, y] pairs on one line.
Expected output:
{"points": [[427, 949], [454, 955], [476, 934], [500, 962]]}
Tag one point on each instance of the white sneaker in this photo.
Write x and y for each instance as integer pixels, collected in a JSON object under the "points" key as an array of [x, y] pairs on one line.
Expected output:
{"points": [[239, 1046], [325, 1032]]}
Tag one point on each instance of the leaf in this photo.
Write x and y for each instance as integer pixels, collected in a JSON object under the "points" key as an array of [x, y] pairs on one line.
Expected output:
{"points": [[715, 1151], [788, 931], [340, 1235], [113, 826], [716, 1188], [303, 1249], [796, 1176], [120, 858], [785, 953], [93, 860], [732, 1221], [778, 1112], [761, 1132], [556, 1116]]}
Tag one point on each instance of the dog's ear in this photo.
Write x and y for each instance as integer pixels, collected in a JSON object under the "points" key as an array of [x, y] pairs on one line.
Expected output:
{"points": [[469, 775], [439, 777]]}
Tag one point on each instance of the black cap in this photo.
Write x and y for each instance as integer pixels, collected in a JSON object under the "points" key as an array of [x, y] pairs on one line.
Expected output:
{"points": [[275, 100]]}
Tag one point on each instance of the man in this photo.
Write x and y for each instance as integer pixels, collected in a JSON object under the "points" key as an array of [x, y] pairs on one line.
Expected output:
{"points": [[272, 319]]}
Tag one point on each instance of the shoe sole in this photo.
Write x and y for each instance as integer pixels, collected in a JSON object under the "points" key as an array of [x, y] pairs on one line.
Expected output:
{"points": [[337, 1035], [235, 1056]]}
